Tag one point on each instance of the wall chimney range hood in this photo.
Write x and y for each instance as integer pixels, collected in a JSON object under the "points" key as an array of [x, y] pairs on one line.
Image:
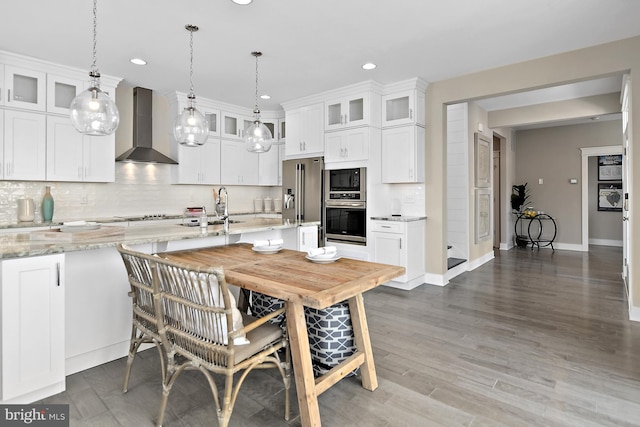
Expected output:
{"points": [[142, 150]]}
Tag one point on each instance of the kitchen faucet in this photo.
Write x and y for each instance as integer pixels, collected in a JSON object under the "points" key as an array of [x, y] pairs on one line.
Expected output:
{"points": [[225, 214]]}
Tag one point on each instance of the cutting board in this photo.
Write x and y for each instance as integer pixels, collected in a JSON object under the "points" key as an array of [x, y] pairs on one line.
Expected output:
{"points": [[76, 236]]}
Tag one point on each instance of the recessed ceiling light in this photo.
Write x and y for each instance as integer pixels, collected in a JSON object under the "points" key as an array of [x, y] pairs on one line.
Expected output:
{"points": [[265, 96], [369, 66], [138, 61], [242, 2]]}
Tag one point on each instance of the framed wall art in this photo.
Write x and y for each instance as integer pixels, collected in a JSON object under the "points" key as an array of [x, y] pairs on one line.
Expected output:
{"points": [[483, 214], [610, 196], [482, 160], [610, 167]]}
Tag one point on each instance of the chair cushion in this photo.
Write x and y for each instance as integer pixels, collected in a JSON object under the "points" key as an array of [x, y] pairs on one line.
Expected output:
{"points": [[259, 338]]}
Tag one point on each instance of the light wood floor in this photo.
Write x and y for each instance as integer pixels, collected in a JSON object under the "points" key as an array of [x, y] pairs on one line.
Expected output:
{"points": [[532, 338]]}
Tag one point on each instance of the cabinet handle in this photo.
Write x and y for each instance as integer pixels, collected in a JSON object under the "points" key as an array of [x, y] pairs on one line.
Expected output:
{"points": [[8, 95], [411, 113], [58, 274], [401, 243], [385, 226]]}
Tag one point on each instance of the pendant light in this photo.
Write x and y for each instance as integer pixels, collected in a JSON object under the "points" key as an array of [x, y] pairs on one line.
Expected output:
{"points": [[191, 128], [257, 138], [92, 111]]}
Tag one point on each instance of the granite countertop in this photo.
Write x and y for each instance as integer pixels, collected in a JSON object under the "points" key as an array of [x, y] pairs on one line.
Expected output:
{"points": [[22, 244], [399, 218], [121, 219]]}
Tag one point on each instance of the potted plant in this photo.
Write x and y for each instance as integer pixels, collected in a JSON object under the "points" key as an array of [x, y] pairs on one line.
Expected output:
{"points": [[518, 197]]}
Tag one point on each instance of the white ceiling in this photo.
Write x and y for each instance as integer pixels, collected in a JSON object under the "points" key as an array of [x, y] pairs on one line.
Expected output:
{"points": [[308, 46]]}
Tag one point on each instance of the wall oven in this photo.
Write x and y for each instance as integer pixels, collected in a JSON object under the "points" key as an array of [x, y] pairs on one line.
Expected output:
{"points": [[346, 221]]}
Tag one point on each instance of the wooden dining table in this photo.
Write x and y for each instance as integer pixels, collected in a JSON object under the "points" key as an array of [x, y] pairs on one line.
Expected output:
{"points": [[290, 276]]}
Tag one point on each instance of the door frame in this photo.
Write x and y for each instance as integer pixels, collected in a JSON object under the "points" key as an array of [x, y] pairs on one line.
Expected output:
{"points": [[586, 153]]}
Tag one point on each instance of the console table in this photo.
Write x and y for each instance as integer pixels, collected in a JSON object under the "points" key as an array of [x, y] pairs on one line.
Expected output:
{"points": [[542, 234]]}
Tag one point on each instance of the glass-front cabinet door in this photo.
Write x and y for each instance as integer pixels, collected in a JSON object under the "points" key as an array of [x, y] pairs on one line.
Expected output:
{"points": [[347, 112], [24, 88], [231, 125], [213, 117], [403, 108], [60, 93]]}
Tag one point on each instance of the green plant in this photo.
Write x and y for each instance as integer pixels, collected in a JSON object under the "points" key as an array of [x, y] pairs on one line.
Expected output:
{"points": [[519, 196]]}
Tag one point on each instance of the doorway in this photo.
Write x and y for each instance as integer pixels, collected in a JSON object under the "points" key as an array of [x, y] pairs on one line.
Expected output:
{"points": [[497, 194]]}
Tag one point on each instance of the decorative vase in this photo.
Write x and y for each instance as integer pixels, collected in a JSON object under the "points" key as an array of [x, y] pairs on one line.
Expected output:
{"points": [[47, 205]]}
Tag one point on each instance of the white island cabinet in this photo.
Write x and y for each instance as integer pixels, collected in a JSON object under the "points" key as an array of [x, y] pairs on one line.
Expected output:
{"points": [[400, 243], [33, 328]]}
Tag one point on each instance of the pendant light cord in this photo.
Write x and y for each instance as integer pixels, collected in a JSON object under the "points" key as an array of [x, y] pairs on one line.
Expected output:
{"points": [[257, 109], [191, 30], [94, 68]]}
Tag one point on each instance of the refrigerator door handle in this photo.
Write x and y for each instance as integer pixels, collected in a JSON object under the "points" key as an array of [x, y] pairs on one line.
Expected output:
{"points": [[301, 193]]}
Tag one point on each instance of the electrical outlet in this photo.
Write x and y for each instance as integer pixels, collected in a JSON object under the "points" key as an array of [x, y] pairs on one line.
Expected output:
{"points": [[409, 198], [84, 200]]}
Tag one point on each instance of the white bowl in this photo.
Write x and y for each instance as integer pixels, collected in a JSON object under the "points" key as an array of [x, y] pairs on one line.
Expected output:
{"points": [[325, 256]]}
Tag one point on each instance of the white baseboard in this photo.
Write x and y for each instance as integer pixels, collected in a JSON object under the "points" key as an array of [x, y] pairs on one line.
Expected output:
{"points": [[606, 242], [407, 286], [475, 263], [634, 313], [97, 357], [435, 279], [36, 395]]}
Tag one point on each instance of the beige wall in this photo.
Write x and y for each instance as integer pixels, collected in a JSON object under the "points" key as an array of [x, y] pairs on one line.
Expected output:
{"points": [[597, 61], [553, 155]]}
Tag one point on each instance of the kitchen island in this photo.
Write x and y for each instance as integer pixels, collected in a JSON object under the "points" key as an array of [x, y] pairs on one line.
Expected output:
{"points": [[65, 305]]}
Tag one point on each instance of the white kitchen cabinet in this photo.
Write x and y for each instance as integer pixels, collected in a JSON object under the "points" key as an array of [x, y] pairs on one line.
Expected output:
{"points": [[402, 244], [233, 125], [61, 91], [72, 156], [348, 112], [403, 108], [282, 130], [238, 167], [305, 131], [307, 237], [33, 328], [24, 146], [3, 94], [301, 238], [197, 165], [213, 117], [347, 145], [403, 154], [25, 88], [268, 166]]}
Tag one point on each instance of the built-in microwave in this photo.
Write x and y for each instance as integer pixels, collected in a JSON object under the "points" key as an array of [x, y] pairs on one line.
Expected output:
{"points": [[346, 184]]}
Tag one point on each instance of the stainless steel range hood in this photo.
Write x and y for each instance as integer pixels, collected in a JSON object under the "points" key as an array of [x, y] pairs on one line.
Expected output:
{"points": [[142, 150]]}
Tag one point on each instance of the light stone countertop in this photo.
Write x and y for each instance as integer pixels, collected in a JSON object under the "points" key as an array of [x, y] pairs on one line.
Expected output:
{"points": [[399, 218], [15, 245]]}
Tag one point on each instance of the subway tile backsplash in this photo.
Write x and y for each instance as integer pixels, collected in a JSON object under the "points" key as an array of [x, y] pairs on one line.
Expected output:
{"points": [[138, 189]]}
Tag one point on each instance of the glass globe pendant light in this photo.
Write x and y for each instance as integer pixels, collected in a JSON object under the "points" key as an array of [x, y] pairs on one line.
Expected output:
{"points": [[257, 137], [92, 111], [191, 128]]}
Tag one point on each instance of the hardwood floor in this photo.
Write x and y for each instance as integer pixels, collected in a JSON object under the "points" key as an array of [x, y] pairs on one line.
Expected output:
{"points": [[532, 338]]}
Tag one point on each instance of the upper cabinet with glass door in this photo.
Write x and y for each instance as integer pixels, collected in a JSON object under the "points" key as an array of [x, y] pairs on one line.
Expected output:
{"points": [[403, 108], [24, 88], [61, 91], [213, 117], [351, 111]]}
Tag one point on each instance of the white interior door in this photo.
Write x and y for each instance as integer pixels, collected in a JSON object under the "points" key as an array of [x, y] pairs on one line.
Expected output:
{"points": [[626, 181]]}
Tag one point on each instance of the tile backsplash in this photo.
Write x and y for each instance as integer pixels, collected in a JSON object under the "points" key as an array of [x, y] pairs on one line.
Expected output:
{"points": [[139, 189]]}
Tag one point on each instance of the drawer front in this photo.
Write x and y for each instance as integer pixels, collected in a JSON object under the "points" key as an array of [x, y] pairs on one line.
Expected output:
{"points": [[388, 226]]}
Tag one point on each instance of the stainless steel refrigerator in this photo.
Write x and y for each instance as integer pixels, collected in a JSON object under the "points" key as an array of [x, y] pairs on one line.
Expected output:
{"points": [[302, 191]]}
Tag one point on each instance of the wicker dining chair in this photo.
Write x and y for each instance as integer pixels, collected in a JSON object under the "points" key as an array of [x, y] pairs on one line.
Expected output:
{"points": [[204, 330], [144, 297]]}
